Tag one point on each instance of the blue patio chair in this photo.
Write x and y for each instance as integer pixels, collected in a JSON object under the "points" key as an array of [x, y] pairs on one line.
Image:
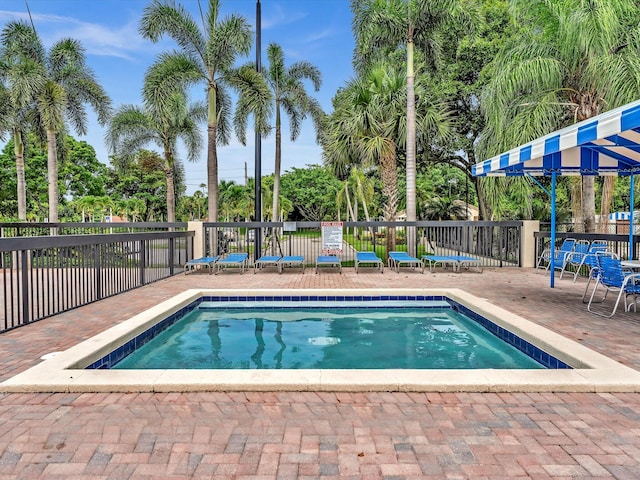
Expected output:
{"points": [[328, 261], [369, 258], [267, 261], [613, 278], [580, 260], [574, 257], [444, 260], [560, 254], [202, 262], [291, 261], [239, 260], [398, 259]]}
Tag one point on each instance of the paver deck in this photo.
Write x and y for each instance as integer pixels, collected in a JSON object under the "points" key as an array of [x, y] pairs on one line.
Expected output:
{"points": [[286, 435]]}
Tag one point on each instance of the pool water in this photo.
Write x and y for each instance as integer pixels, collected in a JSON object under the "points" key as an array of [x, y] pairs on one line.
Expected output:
{"points": [[326, 338]]}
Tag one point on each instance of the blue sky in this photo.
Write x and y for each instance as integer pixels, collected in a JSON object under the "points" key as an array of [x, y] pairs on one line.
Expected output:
{"points": [[318, 31]]}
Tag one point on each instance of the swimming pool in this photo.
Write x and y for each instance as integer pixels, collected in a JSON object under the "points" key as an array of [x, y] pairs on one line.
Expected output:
{"points": [[66, 372], [367, 334]]}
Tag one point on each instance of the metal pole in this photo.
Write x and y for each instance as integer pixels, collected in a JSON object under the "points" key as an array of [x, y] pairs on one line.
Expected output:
{"points": [[631, 226], [552, 260], [258, 145]]}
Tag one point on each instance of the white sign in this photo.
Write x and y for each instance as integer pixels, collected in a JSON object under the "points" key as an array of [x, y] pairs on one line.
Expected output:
{"points": [[332, 237], [289, 226]]}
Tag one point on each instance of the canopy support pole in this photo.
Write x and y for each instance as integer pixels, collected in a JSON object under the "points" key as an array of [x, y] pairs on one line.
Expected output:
{"points": [[532, 178], [552, 267], [631, 203]]}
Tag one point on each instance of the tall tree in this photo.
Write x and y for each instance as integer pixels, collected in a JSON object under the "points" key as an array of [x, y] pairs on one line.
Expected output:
{"points": [[64, 84], [368, 127], [20, 79], [383, 26], [287, 92], [206, 57], [574, 61], [161, 122], [364, 127]]}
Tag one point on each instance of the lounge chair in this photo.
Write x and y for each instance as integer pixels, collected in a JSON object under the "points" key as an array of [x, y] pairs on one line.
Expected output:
{"points": [[328, 261], [444, 260], [233, 260], [399, 259], [457, 262], [291, 261], [202, 262], [267, 261], [544, 260], [579, 259], [369, 258], [612, 277]]}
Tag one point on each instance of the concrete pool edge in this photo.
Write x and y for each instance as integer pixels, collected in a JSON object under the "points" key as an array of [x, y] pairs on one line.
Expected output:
{"points": [[63, 372]]}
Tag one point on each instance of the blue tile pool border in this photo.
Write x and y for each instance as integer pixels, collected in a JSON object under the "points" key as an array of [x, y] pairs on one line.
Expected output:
{"points": [[284, 301]]}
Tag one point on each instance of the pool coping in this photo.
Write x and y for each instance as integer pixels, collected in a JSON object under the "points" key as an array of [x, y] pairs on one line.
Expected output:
{"points": [[64, 371]]}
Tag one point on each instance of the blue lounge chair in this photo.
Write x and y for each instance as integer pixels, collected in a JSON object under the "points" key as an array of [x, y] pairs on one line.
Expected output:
{"points": [[369, 258], [434, 260], [291, 261], [233, 260], [399, 259], [202, 262], [613, 278], [328, 261], [267, 261], [456, 261]]}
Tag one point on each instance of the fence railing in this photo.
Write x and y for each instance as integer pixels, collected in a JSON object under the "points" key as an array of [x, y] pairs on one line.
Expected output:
{"points": [[46, 275], [34, 229], [42, 275], [496, 244]]}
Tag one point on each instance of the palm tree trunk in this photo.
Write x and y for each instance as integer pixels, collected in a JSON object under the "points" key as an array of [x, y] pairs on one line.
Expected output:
{"points": [[22, 194], [171, 196], [589, 203], [278, 162], [52, 172], [389, 179], [411, 147], [576, 203], [605, 203]]}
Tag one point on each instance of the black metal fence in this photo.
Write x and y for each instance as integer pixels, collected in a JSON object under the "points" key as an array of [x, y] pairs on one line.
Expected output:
{"points": [[46, 275], [33, 229], [496, 244]]}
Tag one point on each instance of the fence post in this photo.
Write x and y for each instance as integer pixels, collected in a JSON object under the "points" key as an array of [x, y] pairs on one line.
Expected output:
{"points": [[528, 243], [25, 286], [98, 264], [172, 246], [143, 261]]}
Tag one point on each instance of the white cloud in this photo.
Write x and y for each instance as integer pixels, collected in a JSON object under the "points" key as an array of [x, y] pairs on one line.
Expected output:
{"points": [[121, 42], [279, 16]]}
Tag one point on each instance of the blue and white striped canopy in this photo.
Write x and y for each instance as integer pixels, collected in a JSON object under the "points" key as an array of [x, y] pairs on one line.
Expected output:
{"points": [[608, 144], [620, 216]]}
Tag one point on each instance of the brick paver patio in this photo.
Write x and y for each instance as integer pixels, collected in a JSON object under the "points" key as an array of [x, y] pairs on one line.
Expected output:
{"points": [[326, 435]]}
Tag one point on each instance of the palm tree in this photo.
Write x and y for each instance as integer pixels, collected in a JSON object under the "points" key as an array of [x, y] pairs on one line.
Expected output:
{"points": [[364, 127], [162, 123], [20, 79], [381, 26], [368, 127], [576, 60], [206, 57], [286, 91], [63, 84]]}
